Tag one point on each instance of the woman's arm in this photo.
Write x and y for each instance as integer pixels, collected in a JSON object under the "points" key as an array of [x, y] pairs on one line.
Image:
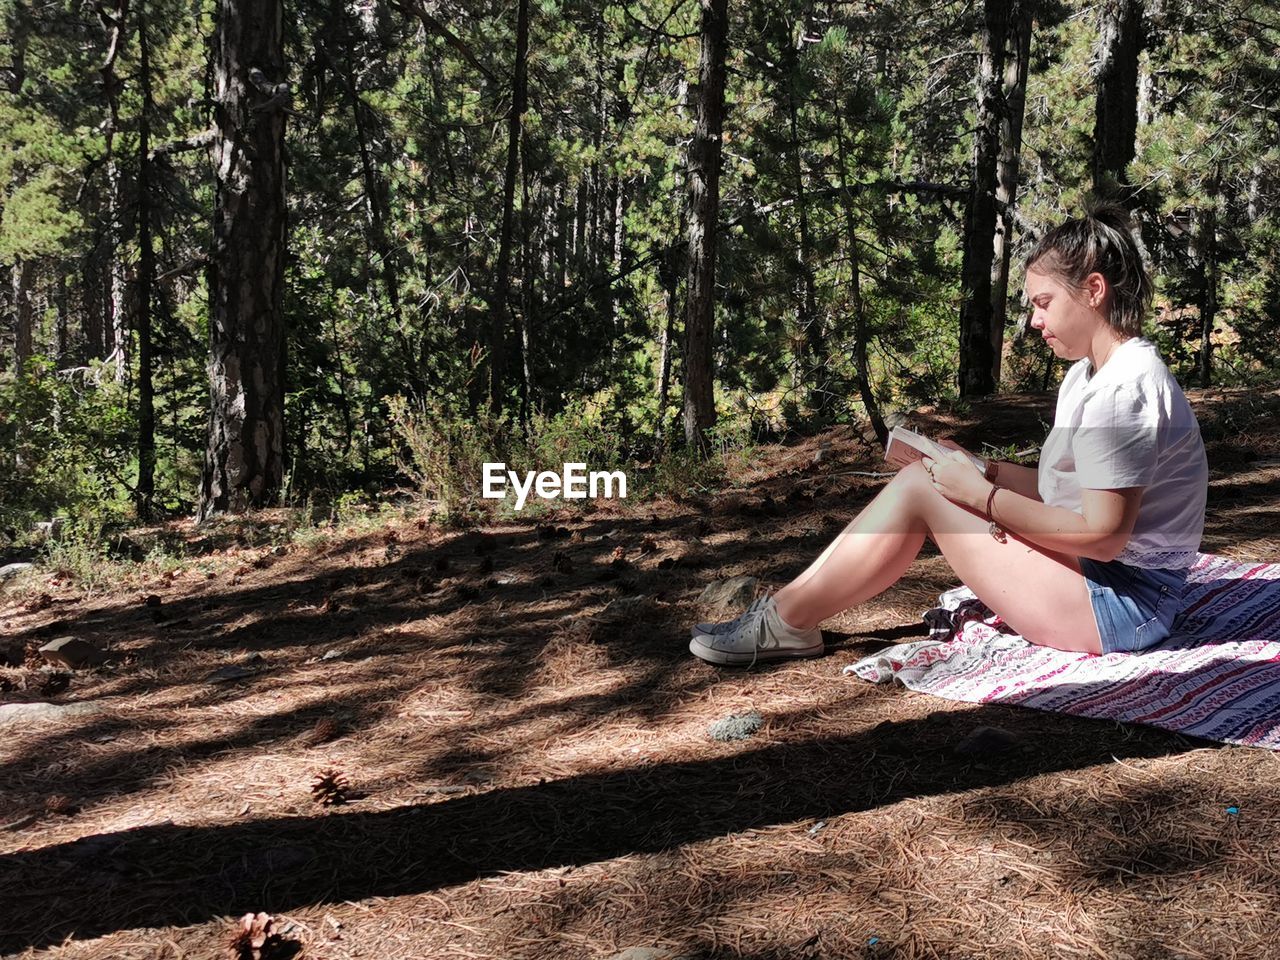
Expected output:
{"points": [[1012, 476], [1099, 532], [1024, 481]]}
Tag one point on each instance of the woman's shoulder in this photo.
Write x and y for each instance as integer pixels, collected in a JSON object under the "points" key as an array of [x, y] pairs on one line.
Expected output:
{"points": [[1136, 366]]}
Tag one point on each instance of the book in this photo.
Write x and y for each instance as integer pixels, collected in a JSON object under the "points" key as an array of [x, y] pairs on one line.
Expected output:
{"points": [[906, 446]]}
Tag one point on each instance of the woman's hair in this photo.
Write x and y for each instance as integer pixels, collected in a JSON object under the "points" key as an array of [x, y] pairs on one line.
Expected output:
{"points": [[1102, 241]]}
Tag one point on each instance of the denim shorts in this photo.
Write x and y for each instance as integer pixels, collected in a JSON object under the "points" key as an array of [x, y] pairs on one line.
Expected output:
{"points": [[1134, 606]]}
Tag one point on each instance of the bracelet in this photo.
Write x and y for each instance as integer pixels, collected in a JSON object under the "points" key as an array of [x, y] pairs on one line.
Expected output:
{"points": [[991, 471], [994, 528]]}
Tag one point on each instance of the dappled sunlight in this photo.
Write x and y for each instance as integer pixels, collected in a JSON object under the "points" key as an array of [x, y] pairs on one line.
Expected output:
{"points": [[526, 741]]}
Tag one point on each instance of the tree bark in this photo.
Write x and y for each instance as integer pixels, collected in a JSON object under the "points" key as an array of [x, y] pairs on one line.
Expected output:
{"points": [[115, 330], [244, 457], [117, 326], [976, 336], [375, 206], [704, 212], [1205, 252], [144, 493], [1013, 104], [62, 321], [805, 287], [669, 278], [93, 299], [526, 288], [860, 335], [560, 251], [500, 321], [23, 278], [1115, 126]]}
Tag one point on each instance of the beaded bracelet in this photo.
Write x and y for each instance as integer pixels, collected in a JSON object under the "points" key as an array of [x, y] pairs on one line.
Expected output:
{"points": [[994, 528]]}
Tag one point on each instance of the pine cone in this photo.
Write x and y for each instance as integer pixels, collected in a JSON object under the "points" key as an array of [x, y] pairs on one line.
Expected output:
{"points": [[59, 804], [255, 939], [326, 728], [329, 787], [52, 684], [32, 658], [36, 604]]}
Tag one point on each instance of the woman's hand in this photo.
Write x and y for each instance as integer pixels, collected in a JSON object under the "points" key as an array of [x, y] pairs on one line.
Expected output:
{"points": [[951, 445], [956, 478]]}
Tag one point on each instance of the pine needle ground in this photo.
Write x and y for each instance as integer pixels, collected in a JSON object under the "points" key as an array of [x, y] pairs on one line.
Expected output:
{"points": [[531, 772]]}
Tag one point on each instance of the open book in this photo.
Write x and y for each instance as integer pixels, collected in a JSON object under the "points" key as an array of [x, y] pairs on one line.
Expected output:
{"points": [[906, 446]]}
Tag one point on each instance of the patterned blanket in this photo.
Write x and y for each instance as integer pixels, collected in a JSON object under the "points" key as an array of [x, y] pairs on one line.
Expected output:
{"points": [[1217, 676]]}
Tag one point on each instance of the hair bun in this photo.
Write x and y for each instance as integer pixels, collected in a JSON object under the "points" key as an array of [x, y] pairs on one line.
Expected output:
{"points": [[1111, 214]]}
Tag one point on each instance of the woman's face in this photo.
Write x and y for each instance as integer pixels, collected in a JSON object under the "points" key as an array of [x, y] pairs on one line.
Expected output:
{"points": [[1069, 320]]}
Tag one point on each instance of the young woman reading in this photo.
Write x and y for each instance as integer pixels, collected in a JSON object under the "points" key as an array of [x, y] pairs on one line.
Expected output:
{"points": [[1087, 552]]}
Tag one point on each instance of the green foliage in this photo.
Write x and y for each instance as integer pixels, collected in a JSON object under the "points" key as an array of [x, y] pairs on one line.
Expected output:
{"points": [[34, 222], [82, 552], [397, 160], [64, 443], [443, 448]]}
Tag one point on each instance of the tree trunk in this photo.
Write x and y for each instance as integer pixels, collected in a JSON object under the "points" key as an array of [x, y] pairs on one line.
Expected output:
{"points": [[560, 253], [805, 287], [526, 288], [704, 211], [860, 336], [23, 279], [976, 337], [1205, 252], [669, 277], [599, 201], [499, 322], [93, 298], [144, 493], [244, 458], [62, 321], [580, 226], [376, 215], [117, 327], [1014, 101], [1115, 124], [612, 233]]}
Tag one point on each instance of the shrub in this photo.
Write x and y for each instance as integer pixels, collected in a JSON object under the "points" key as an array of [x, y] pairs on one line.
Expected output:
{"points": [[65, 442]]}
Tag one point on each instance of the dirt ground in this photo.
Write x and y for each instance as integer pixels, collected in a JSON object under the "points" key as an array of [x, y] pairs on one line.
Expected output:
{"points": [[524, 736]]}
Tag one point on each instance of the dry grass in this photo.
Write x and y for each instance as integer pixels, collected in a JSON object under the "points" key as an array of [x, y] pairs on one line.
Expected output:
{"points": [[532, 777]]}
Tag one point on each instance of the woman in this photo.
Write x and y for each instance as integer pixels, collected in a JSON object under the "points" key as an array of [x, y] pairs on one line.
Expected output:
{"points": [[1088, 552]]}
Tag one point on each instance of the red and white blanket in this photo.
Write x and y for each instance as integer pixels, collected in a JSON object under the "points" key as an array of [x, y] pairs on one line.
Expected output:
{"points": [[1217, 676]]}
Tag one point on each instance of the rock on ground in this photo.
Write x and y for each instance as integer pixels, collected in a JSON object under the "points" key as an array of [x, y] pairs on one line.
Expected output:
{"points": [[732, 594], [737, 726], [72, 652], [13, 715], [11, 570]]}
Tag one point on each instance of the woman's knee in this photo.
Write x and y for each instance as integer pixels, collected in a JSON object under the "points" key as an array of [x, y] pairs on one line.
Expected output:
{"points": [[912, 481]]}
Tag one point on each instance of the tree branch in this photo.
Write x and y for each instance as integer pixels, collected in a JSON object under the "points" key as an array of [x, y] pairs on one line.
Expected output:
{"points": [[194, 142], [417, 10]]}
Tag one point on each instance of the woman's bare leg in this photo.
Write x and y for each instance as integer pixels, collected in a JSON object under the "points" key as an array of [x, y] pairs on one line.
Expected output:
{"points": [[1042, 595]]}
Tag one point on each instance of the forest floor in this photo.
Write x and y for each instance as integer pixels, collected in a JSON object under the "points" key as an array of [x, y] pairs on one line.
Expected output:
{"points": [[524, 735]]}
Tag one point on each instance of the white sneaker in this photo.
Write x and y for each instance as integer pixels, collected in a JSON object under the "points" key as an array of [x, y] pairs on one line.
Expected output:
{"points": [[715, 629], [759, 634]]}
